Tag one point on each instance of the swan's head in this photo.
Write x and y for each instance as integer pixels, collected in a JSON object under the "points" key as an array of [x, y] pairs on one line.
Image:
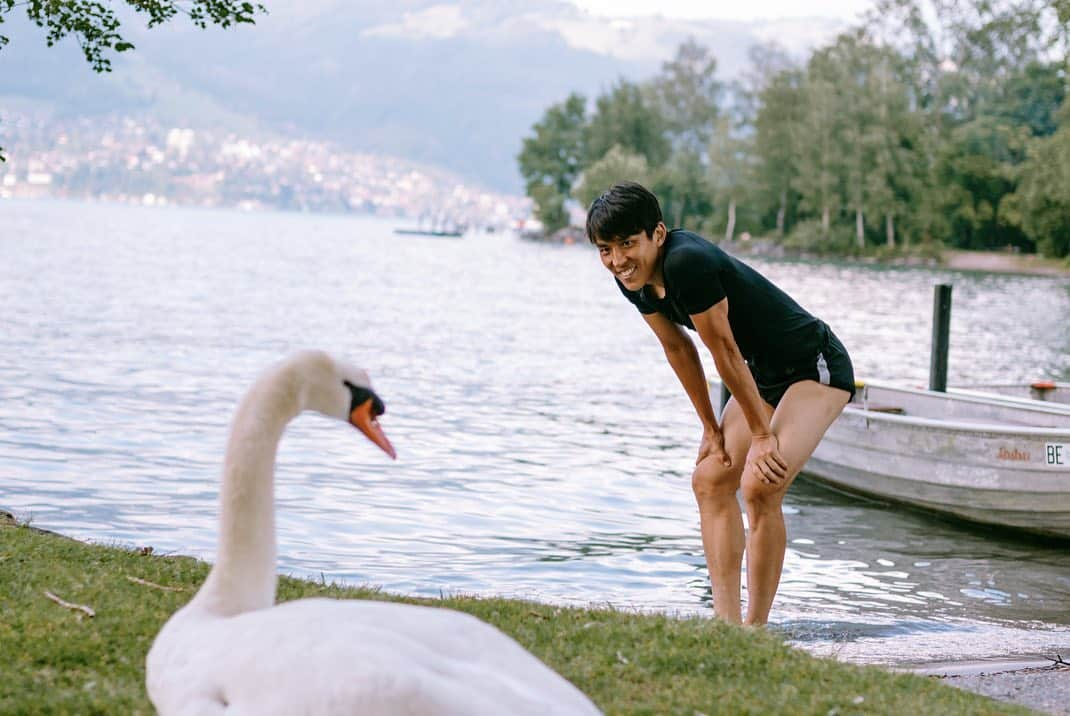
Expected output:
{"points": [[343, 391]]}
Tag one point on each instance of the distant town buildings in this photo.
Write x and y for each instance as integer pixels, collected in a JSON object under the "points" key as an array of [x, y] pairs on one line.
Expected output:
{"points": [[136, 160]]}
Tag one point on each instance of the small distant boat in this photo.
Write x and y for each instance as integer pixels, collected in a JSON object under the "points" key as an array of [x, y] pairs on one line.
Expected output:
{"points": [[992, 458], [453, 234]]}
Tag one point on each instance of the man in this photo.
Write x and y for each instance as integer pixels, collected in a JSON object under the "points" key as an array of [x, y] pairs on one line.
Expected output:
{"points": [[788, 374]]}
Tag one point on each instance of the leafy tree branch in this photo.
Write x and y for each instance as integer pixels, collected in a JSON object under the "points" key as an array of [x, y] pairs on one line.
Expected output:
{"points": [[97, 28]]}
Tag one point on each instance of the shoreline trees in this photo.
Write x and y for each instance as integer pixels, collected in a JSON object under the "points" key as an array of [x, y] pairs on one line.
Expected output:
{"points": [[940, 123]]}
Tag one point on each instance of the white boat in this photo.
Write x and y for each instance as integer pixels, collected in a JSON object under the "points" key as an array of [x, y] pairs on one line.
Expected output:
{"points": [[1045, 390], [984, 457]]}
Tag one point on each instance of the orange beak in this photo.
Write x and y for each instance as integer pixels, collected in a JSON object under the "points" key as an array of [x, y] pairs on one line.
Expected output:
{"points": [[364, 421]]}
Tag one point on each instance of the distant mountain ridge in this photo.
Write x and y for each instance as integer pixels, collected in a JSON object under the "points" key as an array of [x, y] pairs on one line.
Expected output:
{"points": [[452, 84]]}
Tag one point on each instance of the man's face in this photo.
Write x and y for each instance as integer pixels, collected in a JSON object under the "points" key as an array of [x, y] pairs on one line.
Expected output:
{"points": [[633, 259]]}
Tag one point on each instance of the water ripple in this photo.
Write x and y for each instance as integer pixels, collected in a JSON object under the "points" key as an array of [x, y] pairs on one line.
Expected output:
{"points": [[544, 446]]}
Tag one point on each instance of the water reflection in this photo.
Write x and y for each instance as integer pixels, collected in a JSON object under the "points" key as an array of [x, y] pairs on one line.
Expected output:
{"points": [[544, 446], [947, 567]]}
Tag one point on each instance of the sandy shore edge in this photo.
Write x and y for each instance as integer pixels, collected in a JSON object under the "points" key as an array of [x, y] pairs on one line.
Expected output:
{"points": [[1003, 262], [1036, 682]]}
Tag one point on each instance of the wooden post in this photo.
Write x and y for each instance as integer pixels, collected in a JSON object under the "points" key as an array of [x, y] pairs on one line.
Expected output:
{"points": [[941, 337]]}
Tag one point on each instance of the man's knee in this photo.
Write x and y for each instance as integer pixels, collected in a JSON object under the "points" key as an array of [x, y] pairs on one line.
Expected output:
{"points": [[713, 482], [760, 497]]}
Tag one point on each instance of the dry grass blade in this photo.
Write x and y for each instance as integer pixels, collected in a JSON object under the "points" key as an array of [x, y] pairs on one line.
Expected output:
{"points": [[154, 585], [74, 607]]}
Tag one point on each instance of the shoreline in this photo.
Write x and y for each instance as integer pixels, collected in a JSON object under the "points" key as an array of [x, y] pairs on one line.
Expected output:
{"points": [[979, 261], [969, 261], [977, 667], [1003, 262], [1038, 683]]}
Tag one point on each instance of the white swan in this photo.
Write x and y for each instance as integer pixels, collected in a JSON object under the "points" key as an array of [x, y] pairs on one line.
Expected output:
{"points": [[231, 650]]}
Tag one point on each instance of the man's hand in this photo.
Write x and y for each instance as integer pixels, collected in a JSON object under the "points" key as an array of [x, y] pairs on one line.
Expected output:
{"points": [[712, 445], [765, 461]]}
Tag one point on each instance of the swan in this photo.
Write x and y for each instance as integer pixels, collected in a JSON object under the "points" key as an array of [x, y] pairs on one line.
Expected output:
{"points": [[232, 650]]}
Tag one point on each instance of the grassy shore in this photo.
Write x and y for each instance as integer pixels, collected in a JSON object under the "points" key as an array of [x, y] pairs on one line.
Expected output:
{"points": [[56, 658]]}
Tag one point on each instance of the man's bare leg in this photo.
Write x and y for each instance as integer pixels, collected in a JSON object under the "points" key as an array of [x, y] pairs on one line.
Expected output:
{"points": [[804, 414], [719, 515]]}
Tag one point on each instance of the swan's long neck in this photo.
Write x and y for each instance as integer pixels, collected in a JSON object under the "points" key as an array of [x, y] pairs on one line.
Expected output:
{"points": [[243, 578]]}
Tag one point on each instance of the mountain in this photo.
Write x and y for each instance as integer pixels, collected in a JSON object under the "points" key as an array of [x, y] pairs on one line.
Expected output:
{"points": [[452, 84]]}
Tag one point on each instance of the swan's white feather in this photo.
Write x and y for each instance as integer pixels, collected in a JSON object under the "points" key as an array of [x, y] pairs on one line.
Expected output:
{"points": [[323, 656], [230, 650]]}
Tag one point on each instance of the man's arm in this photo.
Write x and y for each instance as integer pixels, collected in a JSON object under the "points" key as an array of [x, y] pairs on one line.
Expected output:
{"points": [[715, 331], [682, 355]]}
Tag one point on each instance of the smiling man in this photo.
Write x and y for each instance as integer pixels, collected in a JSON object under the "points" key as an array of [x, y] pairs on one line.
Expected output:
{"points": [[788, 373]]}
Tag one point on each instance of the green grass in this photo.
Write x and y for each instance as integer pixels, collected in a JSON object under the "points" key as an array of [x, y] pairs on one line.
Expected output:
{"points": [[57, 660]]}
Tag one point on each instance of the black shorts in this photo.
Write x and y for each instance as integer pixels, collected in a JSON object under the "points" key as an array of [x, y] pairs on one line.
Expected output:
{"points": [[828, 364]]}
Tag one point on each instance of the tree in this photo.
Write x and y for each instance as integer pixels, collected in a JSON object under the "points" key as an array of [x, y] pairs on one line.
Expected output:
{"points": [[988, 41], [962, 60], [683, 187], [819, 159], [883, 168], [921, 111], [686, 93], [625, 118], [768, 62], [617, 165], [776, 123], [898, 169], [978, 167], [925, 121], [1042, 200], [551, 160], [730, 164], [847, 66], [96, 26], [1032, 96], [1061, 10]]}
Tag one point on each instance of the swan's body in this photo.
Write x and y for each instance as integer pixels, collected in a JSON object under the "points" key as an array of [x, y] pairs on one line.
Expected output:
{"points": [[231, 650]]}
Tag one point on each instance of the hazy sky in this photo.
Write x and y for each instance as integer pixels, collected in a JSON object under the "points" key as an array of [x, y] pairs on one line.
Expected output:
{"points": [[721, 10]]}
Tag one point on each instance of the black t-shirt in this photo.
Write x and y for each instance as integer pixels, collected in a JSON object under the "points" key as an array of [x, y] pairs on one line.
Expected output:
{"points": [[768, 325]]}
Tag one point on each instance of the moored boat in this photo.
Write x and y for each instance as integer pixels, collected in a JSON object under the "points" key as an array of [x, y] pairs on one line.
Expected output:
{"points": [[1044, 390], [984, 457]]}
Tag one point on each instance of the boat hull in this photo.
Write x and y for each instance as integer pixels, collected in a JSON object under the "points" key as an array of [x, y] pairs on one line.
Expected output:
{"points": [[992, 462], [1044, 391]]}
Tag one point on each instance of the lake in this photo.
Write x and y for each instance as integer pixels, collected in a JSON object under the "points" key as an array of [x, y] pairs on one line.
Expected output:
{"points": [[544, 445]]}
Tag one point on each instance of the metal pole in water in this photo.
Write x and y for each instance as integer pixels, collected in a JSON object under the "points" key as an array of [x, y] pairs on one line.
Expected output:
{"points": [[941, 336]]}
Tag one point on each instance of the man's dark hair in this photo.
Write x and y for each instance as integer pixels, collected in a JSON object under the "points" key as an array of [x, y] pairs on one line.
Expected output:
{"points": [[626, 209]]}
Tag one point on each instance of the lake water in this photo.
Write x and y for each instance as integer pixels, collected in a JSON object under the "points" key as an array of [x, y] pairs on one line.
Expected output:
{"points": [[544, 445]]}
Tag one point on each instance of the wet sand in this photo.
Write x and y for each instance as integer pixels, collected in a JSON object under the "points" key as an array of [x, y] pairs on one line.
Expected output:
{"points": [[1037, 683]]}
